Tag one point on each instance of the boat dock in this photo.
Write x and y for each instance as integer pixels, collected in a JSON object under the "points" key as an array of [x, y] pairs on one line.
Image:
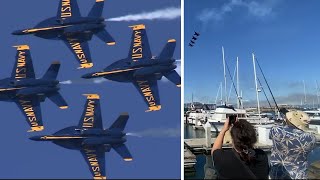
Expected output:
{"points": [[198, 145], [314, 171]]}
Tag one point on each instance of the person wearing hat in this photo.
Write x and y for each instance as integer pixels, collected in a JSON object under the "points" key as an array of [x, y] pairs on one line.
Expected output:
{"points": [[291, 145]]}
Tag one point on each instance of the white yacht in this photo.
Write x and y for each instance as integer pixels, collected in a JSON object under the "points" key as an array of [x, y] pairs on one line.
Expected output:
{"points": [[314, 119], [218, 118], [314, 114], [198, 117]]}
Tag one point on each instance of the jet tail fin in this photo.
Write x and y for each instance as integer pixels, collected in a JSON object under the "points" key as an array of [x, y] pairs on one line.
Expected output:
{"points": [[168, 49], [121, 122], [123, 151], [105, 37], [174, 77], [97, 9], [52, 71], [58, 100]]}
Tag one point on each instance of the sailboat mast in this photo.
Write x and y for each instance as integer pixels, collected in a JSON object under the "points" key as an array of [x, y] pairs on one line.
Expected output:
{"points": [[217, 94], [305, 95], [256, 83], [241, 100], [221, 102], [238, 89], [317, 87], [224, 75]]}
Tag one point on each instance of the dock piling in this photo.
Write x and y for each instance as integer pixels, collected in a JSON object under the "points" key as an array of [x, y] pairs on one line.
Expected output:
{"points": [[207, 129]]}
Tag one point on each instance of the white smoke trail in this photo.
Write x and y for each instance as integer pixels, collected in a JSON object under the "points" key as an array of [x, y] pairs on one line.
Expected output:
{"points": [[85, 81], [163, 14], [133, 134], [66, 82], [99, 80], [158, 133]]}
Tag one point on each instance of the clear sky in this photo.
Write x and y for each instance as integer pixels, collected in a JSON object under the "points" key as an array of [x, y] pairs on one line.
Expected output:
{"points": [[284, 35], [157, 155]]}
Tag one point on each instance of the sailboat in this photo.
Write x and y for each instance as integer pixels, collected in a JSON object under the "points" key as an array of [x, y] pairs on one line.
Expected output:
{"points": [[222, 112]]}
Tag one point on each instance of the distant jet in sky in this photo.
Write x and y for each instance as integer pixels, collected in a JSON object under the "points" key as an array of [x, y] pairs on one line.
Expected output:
{"points": [[73, 29], [142, 69], [196, 33], [91, 139], [192, 41], [27, 91], [194, 38], [191, 45]]}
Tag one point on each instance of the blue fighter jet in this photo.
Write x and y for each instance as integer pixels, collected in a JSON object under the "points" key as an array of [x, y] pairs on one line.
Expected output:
{"points": [[73, 29], [91, 139], [27, 91], [142, 69]]}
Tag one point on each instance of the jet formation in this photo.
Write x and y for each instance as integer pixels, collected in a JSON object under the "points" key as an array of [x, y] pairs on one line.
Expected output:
{"points": [[194, 38], [73, 29], [91, 139], [142, 69], [27, 92]]}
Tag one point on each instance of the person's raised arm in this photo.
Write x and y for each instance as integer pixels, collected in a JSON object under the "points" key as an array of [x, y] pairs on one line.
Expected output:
{"points": [[219, 140]]}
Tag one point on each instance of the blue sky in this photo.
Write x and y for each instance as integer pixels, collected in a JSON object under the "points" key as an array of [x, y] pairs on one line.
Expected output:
{"points": [[155, 155], [284, 35]]}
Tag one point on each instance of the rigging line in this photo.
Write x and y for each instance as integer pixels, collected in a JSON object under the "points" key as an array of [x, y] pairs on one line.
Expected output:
{"points": [[234, 87], [267, 85], [264, 92], [234, 74]]}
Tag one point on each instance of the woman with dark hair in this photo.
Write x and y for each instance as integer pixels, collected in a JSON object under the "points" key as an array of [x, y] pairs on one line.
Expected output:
{"points": [[243, 160]]}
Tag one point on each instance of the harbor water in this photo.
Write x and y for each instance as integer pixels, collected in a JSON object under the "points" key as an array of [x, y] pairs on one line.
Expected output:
{"points": [[205, 161]]}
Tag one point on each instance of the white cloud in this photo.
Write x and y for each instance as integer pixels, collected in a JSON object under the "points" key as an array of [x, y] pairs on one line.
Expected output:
{"points": [[259, 9]]}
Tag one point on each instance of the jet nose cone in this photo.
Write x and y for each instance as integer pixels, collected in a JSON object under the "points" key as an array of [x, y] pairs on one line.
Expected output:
{"points": [[35, 138], [18, 32]]}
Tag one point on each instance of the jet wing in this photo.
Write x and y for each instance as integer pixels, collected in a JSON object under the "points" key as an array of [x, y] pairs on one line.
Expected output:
{"points": [[123, 151], [23, 67], [148, 88], [174, 77], [139, 48], [68, 9], [95, 158], [30, 107], [80, 49], [91, 116]]}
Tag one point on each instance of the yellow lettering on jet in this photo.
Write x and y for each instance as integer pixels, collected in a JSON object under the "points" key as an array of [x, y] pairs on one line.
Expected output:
{"points": [[89, 114], [29, 111], [66, 10], [21, 69], [147, 92], [137, 48], [78, 50], [93, 161]]}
